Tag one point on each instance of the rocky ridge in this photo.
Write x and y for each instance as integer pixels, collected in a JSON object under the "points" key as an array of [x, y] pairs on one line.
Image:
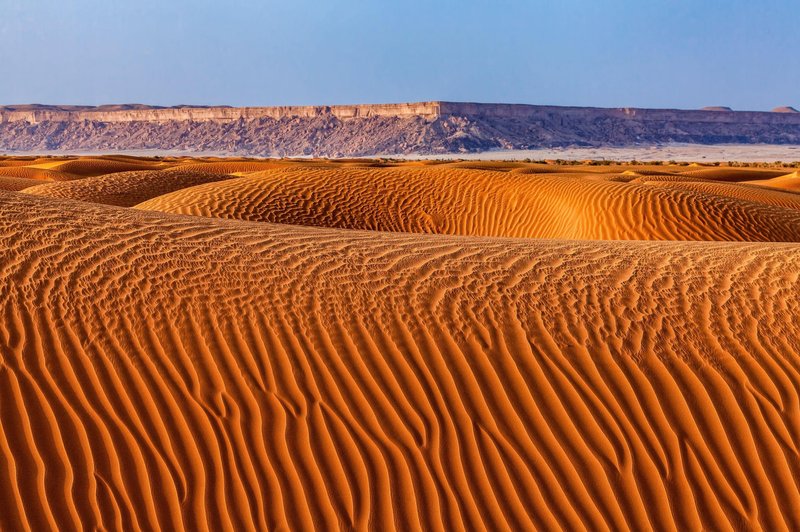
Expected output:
{"points": [[386, 129]]}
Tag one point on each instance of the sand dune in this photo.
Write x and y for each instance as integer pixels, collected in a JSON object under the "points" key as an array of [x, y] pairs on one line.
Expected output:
{"points": [[638, 177], [232, 167], [789, 182], [734, 174], [175, 373], [19, 161], [89, 167], [537, 169], [16, 183], [125, 189], [249, 166], [221, 372], [752, 193], [502, 166], [40, 174], [448, 200]]}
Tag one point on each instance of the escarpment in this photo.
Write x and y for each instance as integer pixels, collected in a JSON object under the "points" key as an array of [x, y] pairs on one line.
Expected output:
{"points": [[380, 129]]}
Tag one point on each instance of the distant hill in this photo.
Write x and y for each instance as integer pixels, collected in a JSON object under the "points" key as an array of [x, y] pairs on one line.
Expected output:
{"points": [[359, 130]]}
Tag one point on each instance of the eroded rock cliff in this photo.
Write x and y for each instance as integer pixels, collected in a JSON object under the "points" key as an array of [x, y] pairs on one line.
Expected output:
{"points": [[425, 128]]}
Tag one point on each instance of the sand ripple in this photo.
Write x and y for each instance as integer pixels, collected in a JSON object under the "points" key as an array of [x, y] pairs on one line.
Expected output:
{"points": [[164, 372], [458, 201]]}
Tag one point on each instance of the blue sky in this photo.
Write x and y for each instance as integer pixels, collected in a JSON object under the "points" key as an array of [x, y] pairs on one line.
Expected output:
{"points": [[647, 53]]}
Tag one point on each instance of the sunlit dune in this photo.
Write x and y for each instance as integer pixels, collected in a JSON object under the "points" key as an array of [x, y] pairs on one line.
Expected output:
{"points": [[490, 165], [789, 182], [40, 174], [387, 346], [125, 189], [88, 167], [456, 201], [638, 177], [19, 161], [233, 167], [752, 193]]}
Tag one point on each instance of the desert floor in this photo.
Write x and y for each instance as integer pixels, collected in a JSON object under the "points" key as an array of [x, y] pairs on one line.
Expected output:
{"points": [[662, 152], [240, 344]]}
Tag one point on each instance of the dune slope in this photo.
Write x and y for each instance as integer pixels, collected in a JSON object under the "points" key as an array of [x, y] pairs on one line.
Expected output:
{"points": [[789, 182], [17, 183], [756, 193], [125, 189], [166, 372], [41, 174], [88, 166], [448, 200]]}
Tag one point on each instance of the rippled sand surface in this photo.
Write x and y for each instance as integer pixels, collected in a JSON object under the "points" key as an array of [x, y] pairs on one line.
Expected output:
{"points": [[365, 345]]}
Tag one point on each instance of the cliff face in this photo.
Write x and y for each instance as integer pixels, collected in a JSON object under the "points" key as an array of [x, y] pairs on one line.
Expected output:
{"points": [[135, 113], [427, 127]]}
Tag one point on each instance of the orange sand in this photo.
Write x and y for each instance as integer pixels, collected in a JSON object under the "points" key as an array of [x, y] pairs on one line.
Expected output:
{"points": [[93, 167], [169, 372], [16, 183], [790, 182], [125, 189], [41, 174], [455, 201]]}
